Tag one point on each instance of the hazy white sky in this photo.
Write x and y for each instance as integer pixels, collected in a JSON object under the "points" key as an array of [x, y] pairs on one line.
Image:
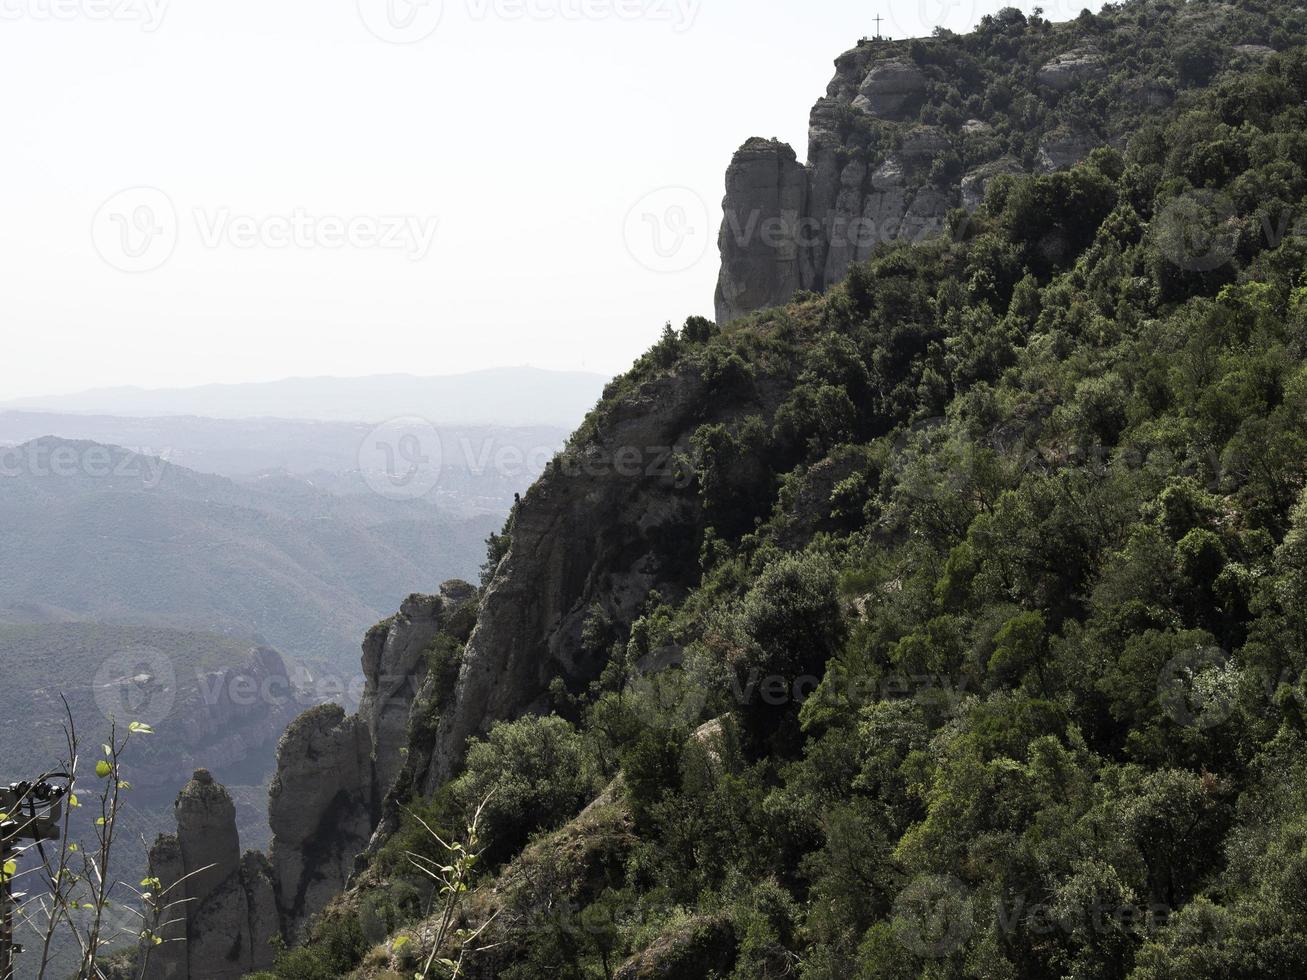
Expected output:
{"points": [[246, 190]]}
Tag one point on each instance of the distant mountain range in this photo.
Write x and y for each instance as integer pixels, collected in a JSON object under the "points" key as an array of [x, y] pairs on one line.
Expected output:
{"points": [[502, 396], [480, 467], [96, 533]]}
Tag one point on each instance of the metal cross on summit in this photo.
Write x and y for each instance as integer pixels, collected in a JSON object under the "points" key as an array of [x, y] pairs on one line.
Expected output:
{"points": [[879, 18]]}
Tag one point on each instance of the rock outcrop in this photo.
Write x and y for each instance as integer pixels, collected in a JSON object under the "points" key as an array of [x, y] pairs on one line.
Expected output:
{"points": [[975, 183], [1257, 52], [320, 809], [334, 770], [395, 665], [892, 90], [1063, 149], [890, 155], [1071, 70], [766, 196], [789, 227], [223, 905], [611, 521], [696, 949]]}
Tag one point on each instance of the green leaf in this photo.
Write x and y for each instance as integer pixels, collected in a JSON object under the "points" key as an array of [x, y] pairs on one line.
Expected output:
{"points": [[102, 769], [400, 943], [140, 728]]}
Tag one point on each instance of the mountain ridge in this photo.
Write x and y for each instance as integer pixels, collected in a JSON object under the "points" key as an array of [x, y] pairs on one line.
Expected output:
{"points": [[960, 628], [522, 396], [132, 538]]}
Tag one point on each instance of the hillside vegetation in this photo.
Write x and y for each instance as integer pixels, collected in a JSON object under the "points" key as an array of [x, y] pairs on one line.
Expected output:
{"points": [[993, 664]]}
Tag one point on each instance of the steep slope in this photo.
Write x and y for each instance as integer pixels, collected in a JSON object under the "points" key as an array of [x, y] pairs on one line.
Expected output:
{"points": [[334, 771], [974, 646]]}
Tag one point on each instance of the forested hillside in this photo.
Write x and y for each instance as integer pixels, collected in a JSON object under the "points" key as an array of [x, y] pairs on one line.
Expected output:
{"points": [[991, 663]]}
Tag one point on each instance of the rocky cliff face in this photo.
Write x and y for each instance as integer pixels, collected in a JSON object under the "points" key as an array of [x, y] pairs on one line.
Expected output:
{"points": [[320, 810], [610, 522], [910, 130], [333, 770], [332, 775], [225, 918]]}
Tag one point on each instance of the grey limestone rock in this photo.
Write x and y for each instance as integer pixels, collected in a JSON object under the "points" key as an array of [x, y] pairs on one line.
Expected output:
{"points": [[225, 912], [1067, 71], [891, 90]]}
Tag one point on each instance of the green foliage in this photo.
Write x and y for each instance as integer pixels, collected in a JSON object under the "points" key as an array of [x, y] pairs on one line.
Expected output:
{"points": [[497, 548], [536, 772], [336, 947]]}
